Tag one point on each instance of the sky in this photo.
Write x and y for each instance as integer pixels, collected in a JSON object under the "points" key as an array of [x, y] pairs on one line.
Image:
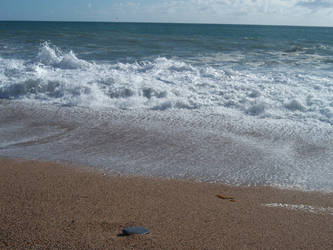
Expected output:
{"points": [[265, 12]]}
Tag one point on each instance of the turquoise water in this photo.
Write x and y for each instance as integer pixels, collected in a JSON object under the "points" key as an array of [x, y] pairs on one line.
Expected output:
{"points": [[268, 89]]}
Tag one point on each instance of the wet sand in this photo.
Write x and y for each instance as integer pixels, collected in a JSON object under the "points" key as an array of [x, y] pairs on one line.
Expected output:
{"points": [[48, 205]]}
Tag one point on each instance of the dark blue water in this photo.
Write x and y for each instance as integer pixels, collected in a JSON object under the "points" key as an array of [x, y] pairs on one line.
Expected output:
{"points": [[117, 41]]}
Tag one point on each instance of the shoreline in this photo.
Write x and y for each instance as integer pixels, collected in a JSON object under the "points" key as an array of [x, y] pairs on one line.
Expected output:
{"points": [[170, 145], [52, 205]]}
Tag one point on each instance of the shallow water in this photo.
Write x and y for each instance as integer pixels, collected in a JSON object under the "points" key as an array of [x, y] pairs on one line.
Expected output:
{"points": [[200, 145]]}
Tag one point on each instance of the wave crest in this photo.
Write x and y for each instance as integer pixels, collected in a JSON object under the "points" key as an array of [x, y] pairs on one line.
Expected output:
{"points": [[53, 56]]}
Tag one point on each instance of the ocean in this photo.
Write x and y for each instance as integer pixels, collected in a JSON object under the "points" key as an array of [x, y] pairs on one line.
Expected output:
{"points": [[238, 104]]}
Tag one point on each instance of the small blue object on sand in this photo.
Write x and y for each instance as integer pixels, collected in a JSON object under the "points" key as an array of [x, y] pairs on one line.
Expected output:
{"points": [[135, 230]]}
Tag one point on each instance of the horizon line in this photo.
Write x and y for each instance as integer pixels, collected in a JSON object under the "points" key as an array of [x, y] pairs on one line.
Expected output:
{"points": [[151, 22]]}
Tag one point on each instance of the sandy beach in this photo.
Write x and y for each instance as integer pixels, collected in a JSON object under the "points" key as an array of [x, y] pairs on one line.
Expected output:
{"points": [[48, 206]]}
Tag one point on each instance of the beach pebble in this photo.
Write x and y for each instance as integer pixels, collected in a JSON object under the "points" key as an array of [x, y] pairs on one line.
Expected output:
{"points": [[135, 230]]}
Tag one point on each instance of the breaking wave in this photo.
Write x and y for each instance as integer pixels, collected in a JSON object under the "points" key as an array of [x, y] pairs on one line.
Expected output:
{"points": [[160, 83]]}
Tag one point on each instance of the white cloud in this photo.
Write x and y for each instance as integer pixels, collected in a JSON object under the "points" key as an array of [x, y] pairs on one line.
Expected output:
{"points": [[285, 12], [316, 4]]}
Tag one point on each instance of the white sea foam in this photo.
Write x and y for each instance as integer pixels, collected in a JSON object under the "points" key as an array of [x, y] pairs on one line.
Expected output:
{"points": [[160, 84], [304, 208]]}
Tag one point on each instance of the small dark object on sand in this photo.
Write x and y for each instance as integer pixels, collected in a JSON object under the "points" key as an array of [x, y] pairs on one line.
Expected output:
{"points": [[232, 199], [135, 230]]}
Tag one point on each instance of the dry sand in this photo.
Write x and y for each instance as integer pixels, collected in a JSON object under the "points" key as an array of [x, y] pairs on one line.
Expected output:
{"points": [[47, 206]]}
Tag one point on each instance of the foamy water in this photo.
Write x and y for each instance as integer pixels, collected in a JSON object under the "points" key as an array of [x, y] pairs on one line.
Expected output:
{"points": [[303, 208], [211, 103], [160, 83]]}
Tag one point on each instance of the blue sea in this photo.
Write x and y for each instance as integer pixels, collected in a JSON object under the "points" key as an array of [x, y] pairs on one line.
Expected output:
{"points": [[238, 104]]}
